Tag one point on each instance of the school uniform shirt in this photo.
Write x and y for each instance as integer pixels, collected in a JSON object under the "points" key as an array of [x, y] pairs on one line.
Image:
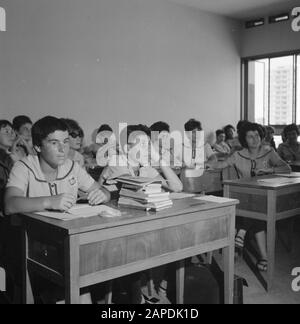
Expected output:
{"points": [[27, 176], [245, 165], [288, 154]]}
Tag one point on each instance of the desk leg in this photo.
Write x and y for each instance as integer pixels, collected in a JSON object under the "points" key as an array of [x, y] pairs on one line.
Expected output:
{"points": [[229, 264], [180, 272], [271, 236], [72, 262], [27, 295]]}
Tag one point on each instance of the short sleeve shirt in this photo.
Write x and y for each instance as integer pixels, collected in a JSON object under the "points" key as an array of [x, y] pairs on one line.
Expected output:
{"points": [[27, 176]]}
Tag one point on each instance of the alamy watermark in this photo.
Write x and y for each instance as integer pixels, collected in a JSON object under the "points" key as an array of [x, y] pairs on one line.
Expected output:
{"points": [[296, 281], [2, 19], [150, 149], [296, 20]]}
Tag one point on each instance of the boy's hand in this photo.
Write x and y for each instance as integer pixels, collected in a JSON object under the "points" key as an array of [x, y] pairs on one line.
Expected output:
{"points": [[97, 197], [62, 202]]}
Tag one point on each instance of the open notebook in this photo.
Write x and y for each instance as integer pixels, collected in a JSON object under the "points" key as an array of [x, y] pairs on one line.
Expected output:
{"points": [[82, 211]]}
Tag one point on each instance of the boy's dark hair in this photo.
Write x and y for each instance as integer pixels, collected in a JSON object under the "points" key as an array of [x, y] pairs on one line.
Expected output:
{"points": [[45, 126], [104, 128], [73, 127], [192, 124], [4, 123], [160, 127], [248, 127], [219, 132], [126, 132], [19, 121], [291, 128]]}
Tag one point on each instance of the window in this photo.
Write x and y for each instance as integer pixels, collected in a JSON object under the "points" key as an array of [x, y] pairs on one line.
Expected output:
{"points": [[272, 90]]}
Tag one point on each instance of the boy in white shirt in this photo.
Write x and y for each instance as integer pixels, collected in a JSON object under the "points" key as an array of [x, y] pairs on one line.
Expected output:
{"points": [[49, 181]]}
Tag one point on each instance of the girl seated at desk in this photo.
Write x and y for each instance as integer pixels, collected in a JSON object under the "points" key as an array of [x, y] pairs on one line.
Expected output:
{"points": [[254, 160], [289, 151], [221, 147], [49, 181], [134, 159], [195, 152]]}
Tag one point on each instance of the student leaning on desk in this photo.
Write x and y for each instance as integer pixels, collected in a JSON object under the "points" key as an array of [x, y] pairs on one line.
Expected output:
{"points": [[254, 160], [49, 181]]}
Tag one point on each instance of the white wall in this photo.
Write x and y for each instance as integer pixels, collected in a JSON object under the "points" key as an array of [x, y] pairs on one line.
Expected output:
{"points": [[119, 60]]}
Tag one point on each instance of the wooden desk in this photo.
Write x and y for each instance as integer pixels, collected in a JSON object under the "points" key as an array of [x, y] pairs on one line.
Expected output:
{"points": [[210, 181], [84, 252], [268, 203]]}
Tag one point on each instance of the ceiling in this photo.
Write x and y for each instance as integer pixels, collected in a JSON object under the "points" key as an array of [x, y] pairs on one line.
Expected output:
{"points": [[242, 9]]}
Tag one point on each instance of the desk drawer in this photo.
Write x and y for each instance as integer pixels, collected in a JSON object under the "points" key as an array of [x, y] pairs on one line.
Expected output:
{"points": [[49, 255]]}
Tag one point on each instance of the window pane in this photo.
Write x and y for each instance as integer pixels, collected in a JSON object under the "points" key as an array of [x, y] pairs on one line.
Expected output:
{"points": [[281, 90], [258, 91], [298, 91]]}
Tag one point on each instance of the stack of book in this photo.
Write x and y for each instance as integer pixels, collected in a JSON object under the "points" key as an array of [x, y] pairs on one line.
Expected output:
{"points": [[143, 193]]}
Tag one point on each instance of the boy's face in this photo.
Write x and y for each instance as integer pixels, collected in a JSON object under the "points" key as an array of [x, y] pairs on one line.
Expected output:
{"points": [[55, 148], [7, 136]]}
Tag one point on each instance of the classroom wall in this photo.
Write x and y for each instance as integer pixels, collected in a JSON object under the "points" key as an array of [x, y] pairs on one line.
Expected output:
{"points": [[105, 61], [270, 39]]}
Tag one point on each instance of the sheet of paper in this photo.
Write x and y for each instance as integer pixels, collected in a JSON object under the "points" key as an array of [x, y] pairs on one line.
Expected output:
{"points": [[82, 211], [57, 215], [180, 195], [86, 210], [214, 199]]}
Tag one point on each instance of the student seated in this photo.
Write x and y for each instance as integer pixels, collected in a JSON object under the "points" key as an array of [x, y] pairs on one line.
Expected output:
{"points": [[6, 157], [221, 147], [161, 140], [254, 160], [194, 154], [9, 154], [90, 152], [289, 151], [135, 147], [269, 138], [139, 163], [76, 136], [49, 181], [233, 141], [22, 126]]}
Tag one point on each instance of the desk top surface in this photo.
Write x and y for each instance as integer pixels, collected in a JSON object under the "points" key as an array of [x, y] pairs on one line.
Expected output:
{"points": [[258, 183], [129, 216]]}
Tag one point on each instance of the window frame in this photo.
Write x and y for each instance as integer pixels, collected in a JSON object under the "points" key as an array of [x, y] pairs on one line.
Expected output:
{"points": [[245, 88]]}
